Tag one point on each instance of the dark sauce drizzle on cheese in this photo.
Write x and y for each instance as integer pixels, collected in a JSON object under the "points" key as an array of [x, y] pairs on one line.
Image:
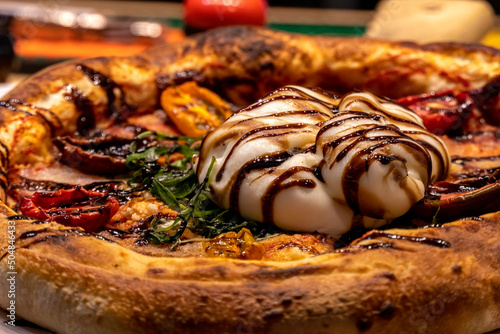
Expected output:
{"points": [[255, 132], [279, 184], [356, 167], [263, 162]]}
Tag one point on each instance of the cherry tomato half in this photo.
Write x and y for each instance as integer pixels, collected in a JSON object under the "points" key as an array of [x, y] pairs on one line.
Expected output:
{"points": [[441, 112]]}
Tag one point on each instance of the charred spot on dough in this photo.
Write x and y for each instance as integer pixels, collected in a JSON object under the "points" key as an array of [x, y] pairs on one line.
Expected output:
{"points": [[274, 315], [364, 324], [254, 51], [286, 302], [220, 271], [164, 80], [460, 47], [51, 238], [472, 228], [204, 299], [457, 269], [387, 311], [155, 271], [389, 276], [291, 272], [298, 296], [71, 248], [266, 65]]}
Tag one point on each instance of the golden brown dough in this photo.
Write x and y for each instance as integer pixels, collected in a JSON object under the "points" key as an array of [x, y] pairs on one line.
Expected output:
{"points": [[71, 282]]}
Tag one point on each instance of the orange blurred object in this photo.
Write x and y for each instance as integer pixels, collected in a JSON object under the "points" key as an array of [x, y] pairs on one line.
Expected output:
{"points": [[49, 41], [39, 48]]}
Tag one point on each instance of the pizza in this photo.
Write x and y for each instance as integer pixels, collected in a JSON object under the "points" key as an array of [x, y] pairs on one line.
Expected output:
{"points": [[249, 180]]}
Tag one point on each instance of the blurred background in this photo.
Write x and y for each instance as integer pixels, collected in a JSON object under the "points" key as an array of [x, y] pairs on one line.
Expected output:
{"points": [[37, 33]]}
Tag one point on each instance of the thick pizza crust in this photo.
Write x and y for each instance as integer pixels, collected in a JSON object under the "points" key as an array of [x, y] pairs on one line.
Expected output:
{"points": [[71, 282]]}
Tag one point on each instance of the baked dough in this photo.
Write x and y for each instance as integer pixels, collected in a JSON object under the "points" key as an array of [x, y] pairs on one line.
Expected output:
{"points": [[438, 279]]}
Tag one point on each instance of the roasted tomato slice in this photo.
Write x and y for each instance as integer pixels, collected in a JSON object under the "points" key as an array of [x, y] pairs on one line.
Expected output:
{"points": [[441, 112], [193, 109], [487, 99], [100, 155], [73, 207]]}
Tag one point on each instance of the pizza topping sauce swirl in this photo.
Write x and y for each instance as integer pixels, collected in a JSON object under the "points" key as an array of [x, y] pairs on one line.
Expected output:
{"points": [[309, 161]]}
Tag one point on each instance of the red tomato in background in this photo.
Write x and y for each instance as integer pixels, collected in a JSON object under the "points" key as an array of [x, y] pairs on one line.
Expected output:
{"points": [[206, 14]]}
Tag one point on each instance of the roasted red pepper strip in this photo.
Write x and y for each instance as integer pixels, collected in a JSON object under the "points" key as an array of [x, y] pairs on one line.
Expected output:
{"points": [[64, 197], [73, 207], [487, 100]]}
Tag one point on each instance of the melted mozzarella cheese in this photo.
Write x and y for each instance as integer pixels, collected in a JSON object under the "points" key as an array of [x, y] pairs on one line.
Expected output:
{"points": [[307, 161]]}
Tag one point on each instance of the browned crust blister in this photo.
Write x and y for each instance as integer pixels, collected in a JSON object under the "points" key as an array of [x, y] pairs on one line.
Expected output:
{"points": [[73, 282]]}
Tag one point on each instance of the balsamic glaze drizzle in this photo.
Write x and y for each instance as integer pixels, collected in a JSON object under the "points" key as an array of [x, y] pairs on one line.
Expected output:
{"points": [[4, 154], [357, 248], [60, 234], [116, 110], [279, 185], [354, 248], [262, 162], [84, 106], [11, 105], [253, 132], [19, 217], [381, 111], [425, 240]]}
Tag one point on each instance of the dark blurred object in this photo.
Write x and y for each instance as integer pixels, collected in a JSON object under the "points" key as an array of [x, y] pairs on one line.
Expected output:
{"points": [[6, 48], [496, 5], [200, 15]]}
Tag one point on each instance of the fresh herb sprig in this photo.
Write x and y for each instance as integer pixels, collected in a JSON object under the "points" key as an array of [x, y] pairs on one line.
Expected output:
{"points": [[176, 185]]}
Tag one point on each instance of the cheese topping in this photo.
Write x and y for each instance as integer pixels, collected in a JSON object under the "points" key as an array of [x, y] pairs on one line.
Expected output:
{"points": [[308, 161]]}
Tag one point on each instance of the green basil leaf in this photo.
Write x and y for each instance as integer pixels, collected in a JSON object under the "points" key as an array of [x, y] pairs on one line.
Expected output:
{"points": [[164, 194]]}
